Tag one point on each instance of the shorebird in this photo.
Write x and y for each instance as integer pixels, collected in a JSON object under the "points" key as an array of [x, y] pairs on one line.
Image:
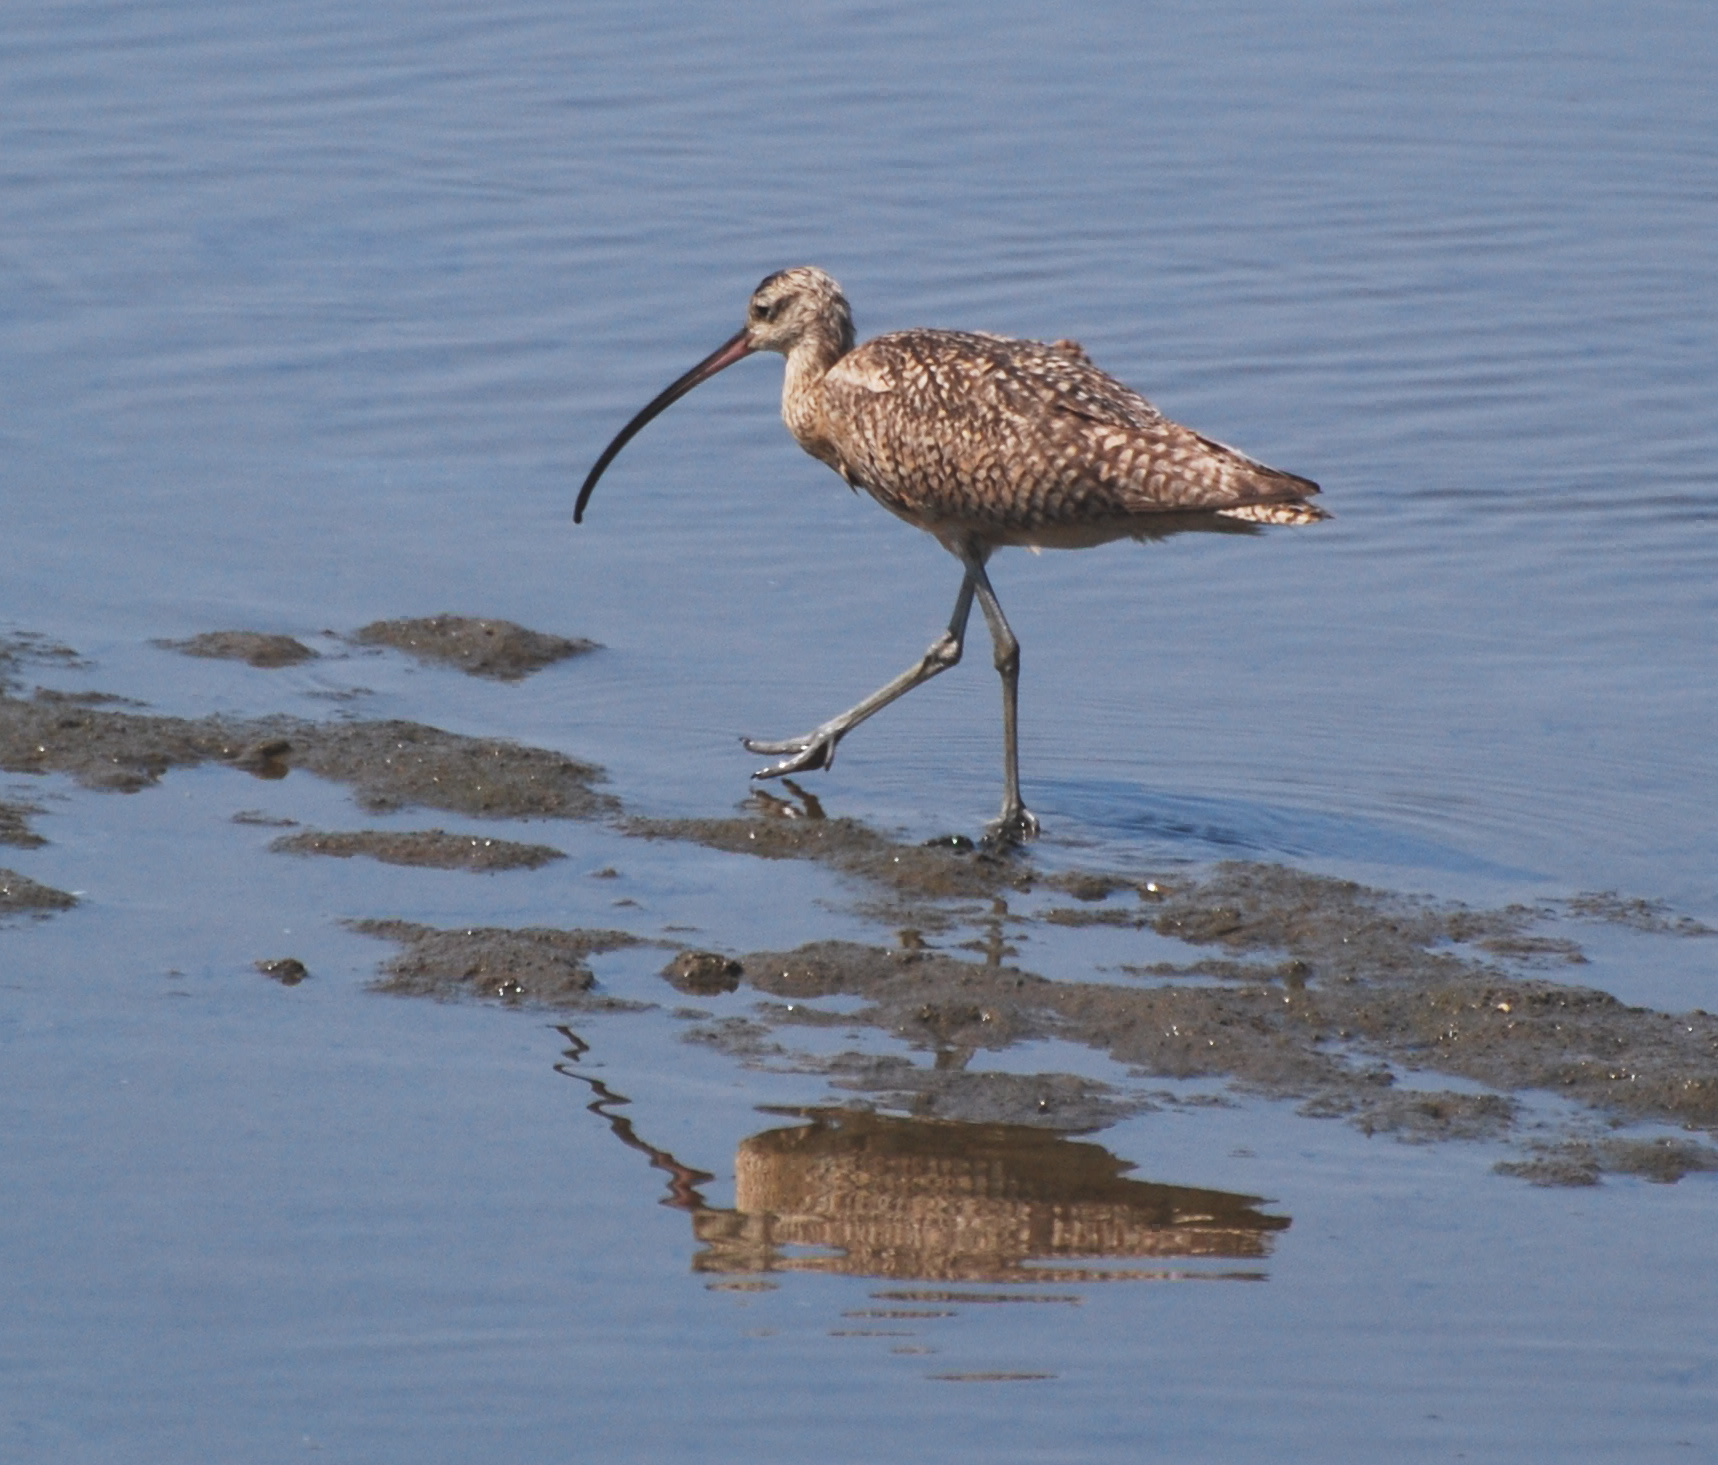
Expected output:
{"points": [[982, 441]]}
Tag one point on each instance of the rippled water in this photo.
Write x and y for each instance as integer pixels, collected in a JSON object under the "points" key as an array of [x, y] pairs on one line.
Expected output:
{"points": [[314, 315]]}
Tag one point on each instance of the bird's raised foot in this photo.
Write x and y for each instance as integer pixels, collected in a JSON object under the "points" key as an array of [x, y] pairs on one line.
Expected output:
{"points": [[806, 754], [1016, 825]]}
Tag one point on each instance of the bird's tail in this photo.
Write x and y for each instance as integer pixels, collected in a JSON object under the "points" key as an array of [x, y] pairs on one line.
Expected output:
{"points": [[1288, 511]]}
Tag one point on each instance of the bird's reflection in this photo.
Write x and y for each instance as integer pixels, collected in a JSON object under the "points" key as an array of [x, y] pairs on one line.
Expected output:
{"points": [[683, 1180], [873, 1195], [876, 1196], [769, 805]]}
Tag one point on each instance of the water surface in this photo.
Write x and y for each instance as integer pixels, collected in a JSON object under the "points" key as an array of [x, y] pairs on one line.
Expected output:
{"points": [[317, 316]]}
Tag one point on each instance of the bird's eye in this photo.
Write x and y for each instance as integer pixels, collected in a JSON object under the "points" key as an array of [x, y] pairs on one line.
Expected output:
{"points": [[777, 307]]}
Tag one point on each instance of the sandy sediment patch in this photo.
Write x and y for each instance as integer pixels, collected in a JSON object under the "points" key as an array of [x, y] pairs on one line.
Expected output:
{"points": [[479, 647]]}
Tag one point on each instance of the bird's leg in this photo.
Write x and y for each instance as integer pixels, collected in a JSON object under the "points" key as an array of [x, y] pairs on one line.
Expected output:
{"points": [[1015, 824], [816, 749]]}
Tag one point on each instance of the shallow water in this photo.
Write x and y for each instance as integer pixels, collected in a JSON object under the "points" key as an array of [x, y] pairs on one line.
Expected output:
{"points": [[313, 318]]}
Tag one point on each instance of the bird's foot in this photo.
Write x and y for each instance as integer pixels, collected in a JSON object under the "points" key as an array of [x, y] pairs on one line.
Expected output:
{"points": [[1016, 825], [816, 749]]}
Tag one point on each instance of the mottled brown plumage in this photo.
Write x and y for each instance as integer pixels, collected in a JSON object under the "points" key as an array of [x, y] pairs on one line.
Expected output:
{"points": [[983, 441]]}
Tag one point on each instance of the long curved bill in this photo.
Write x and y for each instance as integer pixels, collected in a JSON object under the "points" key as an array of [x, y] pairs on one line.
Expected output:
{"points": [[724, 355]]}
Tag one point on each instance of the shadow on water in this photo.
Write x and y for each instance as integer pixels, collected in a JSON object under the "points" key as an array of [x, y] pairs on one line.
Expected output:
{"points": [[869, 1195]]}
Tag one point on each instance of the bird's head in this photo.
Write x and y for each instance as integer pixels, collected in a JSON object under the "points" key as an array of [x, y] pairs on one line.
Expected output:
{"points": [[791, 309], [792, 305]]}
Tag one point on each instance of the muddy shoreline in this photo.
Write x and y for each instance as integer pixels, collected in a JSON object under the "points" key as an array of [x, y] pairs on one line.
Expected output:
{"points": [[1342, 999]]}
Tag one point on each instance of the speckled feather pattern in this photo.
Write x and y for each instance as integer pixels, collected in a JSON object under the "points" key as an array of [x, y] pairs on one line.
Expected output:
{"points": [[1005, 441], [983, 441]]}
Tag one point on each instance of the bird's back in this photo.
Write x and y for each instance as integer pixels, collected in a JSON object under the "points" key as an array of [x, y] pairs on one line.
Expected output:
{"points": [[1023, 442]]}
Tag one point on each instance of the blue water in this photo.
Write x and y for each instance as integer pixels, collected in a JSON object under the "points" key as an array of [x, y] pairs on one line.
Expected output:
{"points": [[316, 314]]}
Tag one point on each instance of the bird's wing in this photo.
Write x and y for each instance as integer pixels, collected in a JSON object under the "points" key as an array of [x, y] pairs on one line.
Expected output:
{"points": [[959, 425]]}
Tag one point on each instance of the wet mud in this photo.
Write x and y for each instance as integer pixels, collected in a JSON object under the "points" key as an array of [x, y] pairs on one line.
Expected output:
{"points": [[389, 765], [1358, 989], [20, 649], [534, 964], [1372, 992], [256, 648], [395, 765], [943, 1089], [21, 895], [918, 872], [1379, 988], [1301, 987], [1663, 1161], [434, 848], [703, 973], [1650, 916], [1419, 1117], [1062, 1102], [15, 825], [500, 650]]}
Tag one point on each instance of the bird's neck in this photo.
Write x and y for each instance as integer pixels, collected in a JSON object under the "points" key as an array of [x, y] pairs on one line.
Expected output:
{"points": [[825, 343], [807, 364]]}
